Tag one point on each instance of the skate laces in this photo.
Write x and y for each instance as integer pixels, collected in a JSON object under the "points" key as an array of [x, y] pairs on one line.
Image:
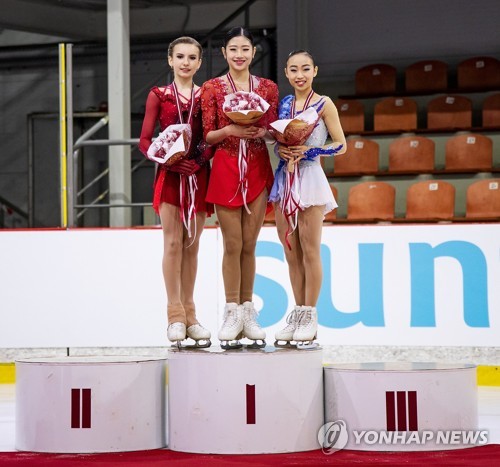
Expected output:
{"points": [[292, 317], [305, 317], [230, 318], [250, 316]]}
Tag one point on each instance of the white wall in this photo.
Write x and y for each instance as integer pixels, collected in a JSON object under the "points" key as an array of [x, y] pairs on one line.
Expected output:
{"points": [[410, 285]]}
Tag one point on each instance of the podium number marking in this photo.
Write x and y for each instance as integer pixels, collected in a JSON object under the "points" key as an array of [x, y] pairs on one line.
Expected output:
{"points": [[250, 404], [401, 410], [80, 408]]}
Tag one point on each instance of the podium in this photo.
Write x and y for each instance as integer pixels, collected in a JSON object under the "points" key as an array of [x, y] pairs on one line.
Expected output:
{"points": [[401, 406], [90, 404], [247, 401]]}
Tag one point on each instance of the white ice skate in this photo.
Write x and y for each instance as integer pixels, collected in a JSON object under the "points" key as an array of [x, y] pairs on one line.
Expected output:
{"points": [[307, 328], [251, 328], [200, 335], [285, 336], [232, 328], [176, 333]]}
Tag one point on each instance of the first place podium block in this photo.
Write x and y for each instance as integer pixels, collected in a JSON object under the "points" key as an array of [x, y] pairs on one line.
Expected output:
{"points": [[90, 404], [245, 401]]}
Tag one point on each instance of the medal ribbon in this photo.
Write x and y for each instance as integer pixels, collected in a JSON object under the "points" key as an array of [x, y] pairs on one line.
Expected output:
{"points": [[242, 153], [188, 183], [291, 193]]}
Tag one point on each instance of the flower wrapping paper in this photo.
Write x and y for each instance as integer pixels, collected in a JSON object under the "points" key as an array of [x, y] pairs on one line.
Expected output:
{"points": [[244, 108], [171, 145], [295, 131]]}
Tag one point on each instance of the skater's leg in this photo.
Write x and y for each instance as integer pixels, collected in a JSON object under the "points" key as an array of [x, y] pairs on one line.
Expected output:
{"points": [[310, 225], [293, 256], [230, 225], [250, 228], [189, 267], [172, 258]]}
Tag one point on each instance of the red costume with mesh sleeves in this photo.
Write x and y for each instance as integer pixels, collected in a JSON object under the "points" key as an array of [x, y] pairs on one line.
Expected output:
{"points": [[161, 107], [224, 182]]}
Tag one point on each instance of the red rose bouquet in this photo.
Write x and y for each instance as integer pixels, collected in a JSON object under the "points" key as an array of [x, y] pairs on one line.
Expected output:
{"points": [[171, 145], [244, 108]]}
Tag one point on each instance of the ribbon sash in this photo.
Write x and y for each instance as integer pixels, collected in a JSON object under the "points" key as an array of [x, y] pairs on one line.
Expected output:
{"points": [[242, 153], [188, 183], [291, 193]]}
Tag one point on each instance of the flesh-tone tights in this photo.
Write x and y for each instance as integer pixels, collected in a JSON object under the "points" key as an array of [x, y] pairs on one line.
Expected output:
{"points": [[180, 263], [304, 258], [240, 231]]}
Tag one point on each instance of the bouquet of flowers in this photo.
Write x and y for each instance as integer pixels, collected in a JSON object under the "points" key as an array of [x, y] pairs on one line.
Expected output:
{"points": [[171, 145], [295, 131], [244, 108]]}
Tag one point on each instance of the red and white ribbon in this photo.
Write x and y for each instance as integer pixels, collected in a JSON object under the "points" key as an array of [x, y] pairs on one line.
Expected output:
{"points": [[242, 153], [188, 183], [291, 192], [188, 187]]}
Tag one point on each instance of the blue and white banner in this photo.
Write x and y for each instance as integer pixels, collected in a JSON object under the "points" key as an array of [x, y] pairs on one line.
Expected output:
{"points": [[432, 285]]}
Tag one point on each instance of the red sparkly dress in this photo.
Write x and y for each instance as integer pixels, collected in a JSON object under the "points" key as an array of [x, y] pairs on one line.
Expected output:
{"points": [[161, 107], [224, 185]]}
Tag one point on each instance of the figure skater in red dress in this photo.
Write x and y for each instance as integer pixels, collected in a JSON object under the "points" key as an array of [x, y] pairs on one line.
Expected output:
{"points": [[179, 102], [240, 183]]}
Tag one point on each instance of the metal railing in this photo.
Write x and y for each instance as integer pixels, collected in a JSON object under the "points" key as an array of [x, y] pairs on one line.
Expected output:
{"points": [[73, 194]]}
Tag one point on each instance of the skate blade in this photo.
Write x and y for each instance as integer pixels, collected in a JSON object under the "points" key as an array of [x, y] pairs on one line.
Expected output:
{"points": [[307, 345], [177, 345], [256, 345], [231, 345], [286, 345], [206, 344]]}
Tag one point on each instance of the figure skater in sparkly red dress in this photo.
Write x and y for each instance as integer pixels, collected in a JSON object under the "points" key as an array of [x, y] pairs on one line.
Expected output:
{"points": [[240, 183], [174, 193]]}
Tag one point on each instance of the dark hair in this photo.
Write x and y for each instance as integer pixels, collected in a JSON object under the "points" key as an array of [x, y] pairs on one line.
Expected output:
{"points": [[300, 51], [236, 32], [184, 40]]}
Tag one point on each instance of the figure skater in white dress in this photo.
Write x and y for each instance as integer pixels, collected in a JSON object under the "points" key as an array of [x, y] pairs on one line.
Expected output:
{"points": [[302, 199]]}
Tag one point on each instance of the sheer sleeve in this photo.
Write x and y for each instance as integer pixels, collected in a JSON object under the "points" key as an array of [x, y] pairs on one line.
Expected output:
{"points": [[208, 108], [149, 122], [272, 99]]}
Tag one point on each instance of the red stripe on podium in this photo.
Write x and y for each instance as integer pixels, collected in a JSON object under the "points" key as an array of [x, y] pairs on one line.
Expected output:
{"points": [[86, 405], [250, 404], [390, 410], [412, 411], [401, 399], [75, 408]]}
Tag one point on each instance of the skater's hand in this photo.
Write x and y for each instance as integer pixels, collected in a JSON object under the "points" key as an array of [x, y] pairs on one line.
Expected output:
{"points": [[185, 167], [246, 132], [285, 153], [298, 151]]}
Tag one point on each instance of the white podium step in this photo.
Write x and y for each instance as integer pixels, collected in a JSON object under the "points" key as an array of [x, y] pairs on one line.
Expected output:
{"points": [[245, 401], [90, 404], [401, 407]]}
